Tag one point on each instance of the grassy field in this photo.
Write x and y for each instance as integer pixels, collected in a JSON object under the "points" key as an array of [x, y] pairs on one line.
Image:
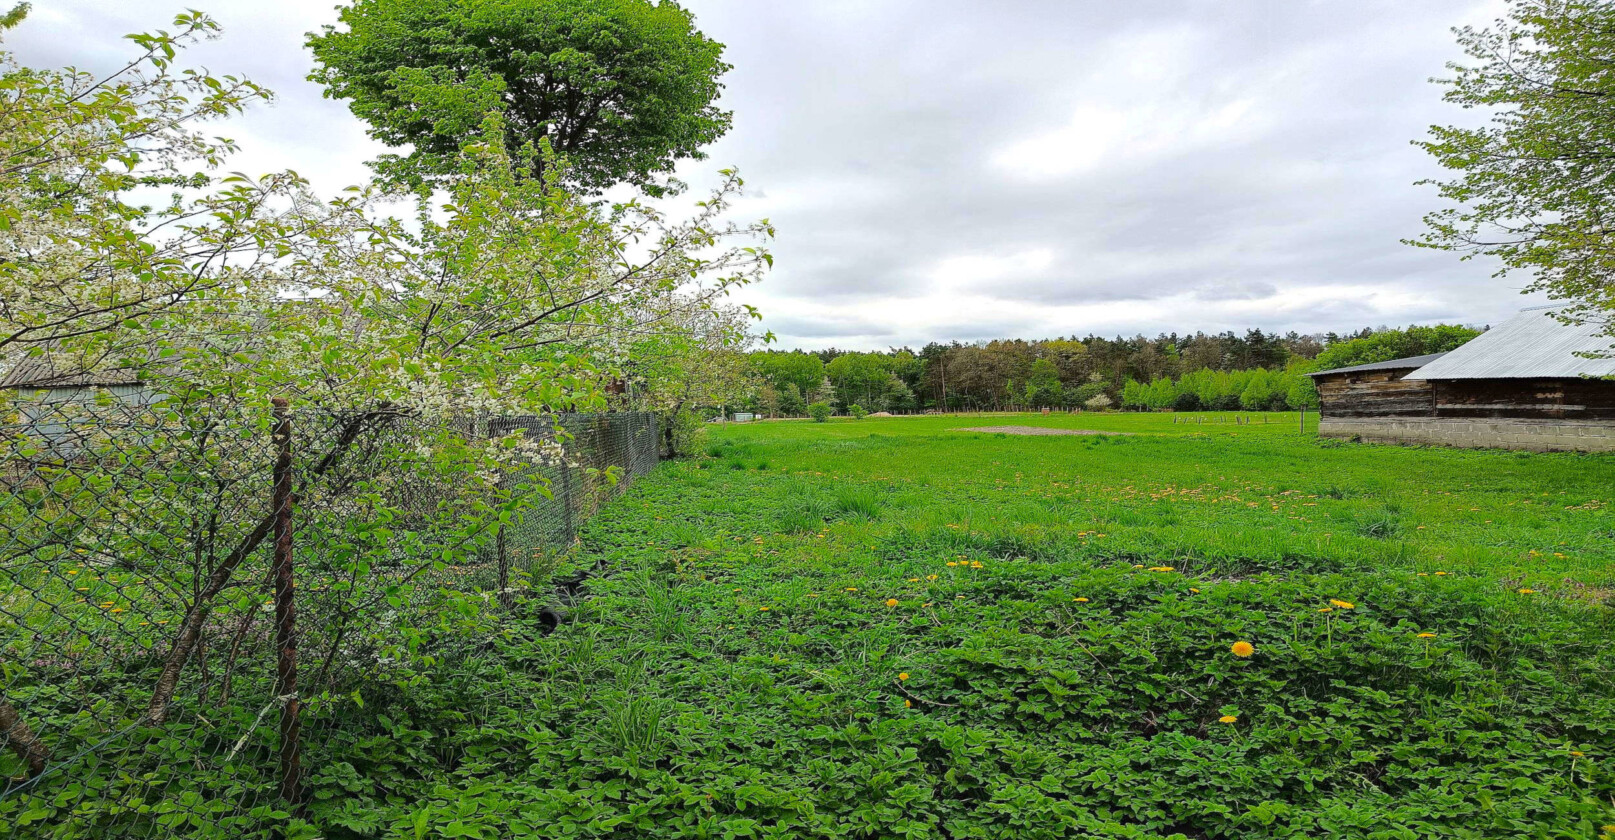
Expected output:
{"points": [[898, 628]]}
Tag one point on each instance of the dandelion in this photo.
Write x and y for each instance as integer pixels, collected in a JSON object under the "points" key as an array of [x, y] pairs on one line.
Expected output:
{"points": [[852, 589], [1195, 591], [1242, 649], [903, 677], [1578, 753], [951, 563], [1228, 719], [762, 609], [1080, 600], [1527, 591], [1326, 610], [117, 609], [913, 580], [908, 704], [1345, 605], [932, 577], [1427, 635], [891, 602]]}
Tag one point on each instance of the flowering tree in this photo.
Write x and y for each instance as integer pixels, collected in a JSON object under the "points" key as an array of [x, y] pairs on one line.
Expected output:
{"points": [[697, 362], [78, 255], [501, 293]]}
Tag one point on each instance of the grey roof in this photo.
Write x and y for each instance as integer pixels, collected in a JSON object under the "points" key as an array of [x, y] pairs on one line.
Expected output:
{"points": [[1532, 345], [1408, 363], [42, 372]]}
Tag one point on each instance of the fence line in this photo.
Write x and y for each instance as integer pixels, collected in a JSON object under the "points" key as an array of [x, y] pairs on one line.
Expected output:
{"points": [[142, 549]]}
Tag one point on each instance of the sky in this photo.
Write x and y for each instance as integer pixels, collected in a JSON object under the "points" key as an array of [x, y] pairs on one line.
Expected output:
{"points": [[953, 170]]}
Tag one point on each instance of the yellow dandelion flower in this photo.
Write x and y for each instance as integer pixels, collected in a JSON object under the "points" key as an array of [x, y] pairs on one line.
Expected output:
{"points": [[891, 602], [951, 563], [1527, 591], [1228, 719], [1326, 610], [852, 589], [117, 609], [1080, 600], [1427, 635], [913, 580], [762, 609], [1345, 605], [932, 577], [908, 704], [1242, 649], [903, 677], [1195, 591]]}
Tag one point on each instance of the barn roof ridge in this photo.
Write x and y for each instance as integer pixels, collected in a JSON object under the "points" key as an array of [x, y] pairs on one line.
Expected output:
{"points": [[1405, 363], [1534, 344]]}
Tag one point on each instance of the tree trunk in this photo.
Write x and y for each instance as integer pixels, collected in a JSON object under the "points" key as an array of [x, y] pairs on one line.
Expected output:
{"points": [[23, 741]]}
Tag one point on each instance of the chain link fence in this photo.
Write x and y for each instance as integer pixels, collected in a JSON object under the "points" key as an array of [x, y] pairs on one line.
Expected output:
{"points": [[181, 591]]}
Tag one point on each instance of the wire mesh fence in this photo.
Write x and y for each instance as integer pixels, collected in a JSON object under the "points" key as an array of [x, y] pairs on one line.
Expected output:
{"points": [[182, 590]]}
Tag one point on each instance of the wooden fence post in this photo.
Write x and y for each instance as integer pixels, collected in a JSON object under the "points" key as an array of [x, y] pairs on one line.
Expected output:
{"points": [[291, 724]]}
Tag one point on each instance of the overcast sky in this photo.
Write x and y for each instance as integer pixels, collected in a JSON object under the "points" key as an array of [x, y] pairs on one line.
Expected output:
{"points": [[960, 170]]}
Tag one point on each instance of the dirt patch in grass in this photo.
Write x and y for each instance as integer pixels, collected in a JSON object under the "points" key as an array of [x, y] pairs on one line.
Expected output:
{"points": [[1034, 430]]}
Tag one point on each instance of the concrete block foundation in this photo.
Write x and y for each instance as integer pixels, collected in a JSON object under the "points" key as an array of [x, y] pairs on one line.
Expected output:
{"points": [[1477, 433]]}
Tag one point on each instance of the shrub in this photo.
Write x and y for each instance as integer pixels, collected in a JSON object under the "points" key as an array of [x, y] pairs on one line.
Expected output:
{"points": [[819, 411], [1098, 402], [857, 411]]}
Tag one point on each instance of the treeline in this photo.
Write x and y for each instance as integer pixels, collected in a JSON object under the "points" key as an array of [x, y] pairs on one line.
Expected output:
{"points": [[1218, 390], [1253, 372]]}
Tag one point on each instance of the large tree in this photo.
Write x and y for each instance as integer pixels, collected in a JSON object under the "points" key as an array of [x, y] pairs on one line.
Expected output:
{"points": [[1536, 184], [623, 89]]}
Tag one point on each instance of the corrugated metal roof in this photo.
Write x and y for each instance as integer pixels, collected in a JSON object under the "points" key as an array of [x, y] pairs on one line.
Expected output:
{"points": [[1408, 363], [41, 372], [1532, 345]]}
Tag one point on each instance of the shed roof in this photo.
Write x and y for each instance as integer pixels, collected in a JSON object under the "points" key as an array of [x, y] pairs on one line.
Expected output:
{"points": [[1408, 363], [1534, 344], [42, 372]]}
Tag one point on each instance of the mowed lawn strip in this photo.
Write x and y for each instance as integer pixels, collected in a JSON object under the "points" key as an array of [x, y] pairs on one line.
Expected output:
{"points": [[887, 628]]}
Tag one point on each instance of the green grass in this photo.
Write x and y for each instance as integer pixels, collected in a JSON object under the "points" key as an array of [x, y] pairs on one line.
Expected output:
{"points": [[1057, 661]]}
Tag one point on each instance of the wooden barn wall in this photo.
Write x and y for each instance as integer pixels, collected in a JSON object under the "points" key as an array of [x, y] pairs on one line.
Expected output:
{"points": [[1375, 393], [1544, 399]]}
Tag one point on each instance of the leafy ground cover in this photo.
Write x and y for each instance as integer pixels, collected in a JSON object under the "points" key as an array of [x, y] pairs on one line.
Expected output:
{"points": [[888, 628]]}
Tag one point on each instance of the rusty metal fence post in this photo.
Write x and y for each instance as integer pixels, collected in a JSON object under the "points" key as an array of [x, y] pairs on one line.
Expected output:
{"points": [[286, 614]]}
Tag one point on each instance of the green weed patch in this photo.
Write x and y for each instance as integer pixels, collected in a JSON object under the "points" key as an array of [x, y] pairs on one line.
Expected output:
{"points": [[928, 634]]}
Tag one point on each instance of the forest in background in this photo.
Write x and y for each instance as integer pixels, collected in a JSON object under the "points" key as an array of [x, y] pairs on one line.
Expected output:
{"points": [[1258, 371]]}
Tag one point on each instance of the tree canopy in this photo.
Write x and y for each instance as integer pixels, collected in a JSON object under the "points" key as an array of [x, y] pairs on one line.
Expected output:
{"points": [[1534, 185], [623, 89], [1386, 345]]}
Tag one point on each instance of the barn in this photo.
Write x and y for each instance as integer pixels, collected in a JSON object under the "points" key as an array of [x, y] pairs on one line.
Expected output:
{"points": [[1532, 382]]}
